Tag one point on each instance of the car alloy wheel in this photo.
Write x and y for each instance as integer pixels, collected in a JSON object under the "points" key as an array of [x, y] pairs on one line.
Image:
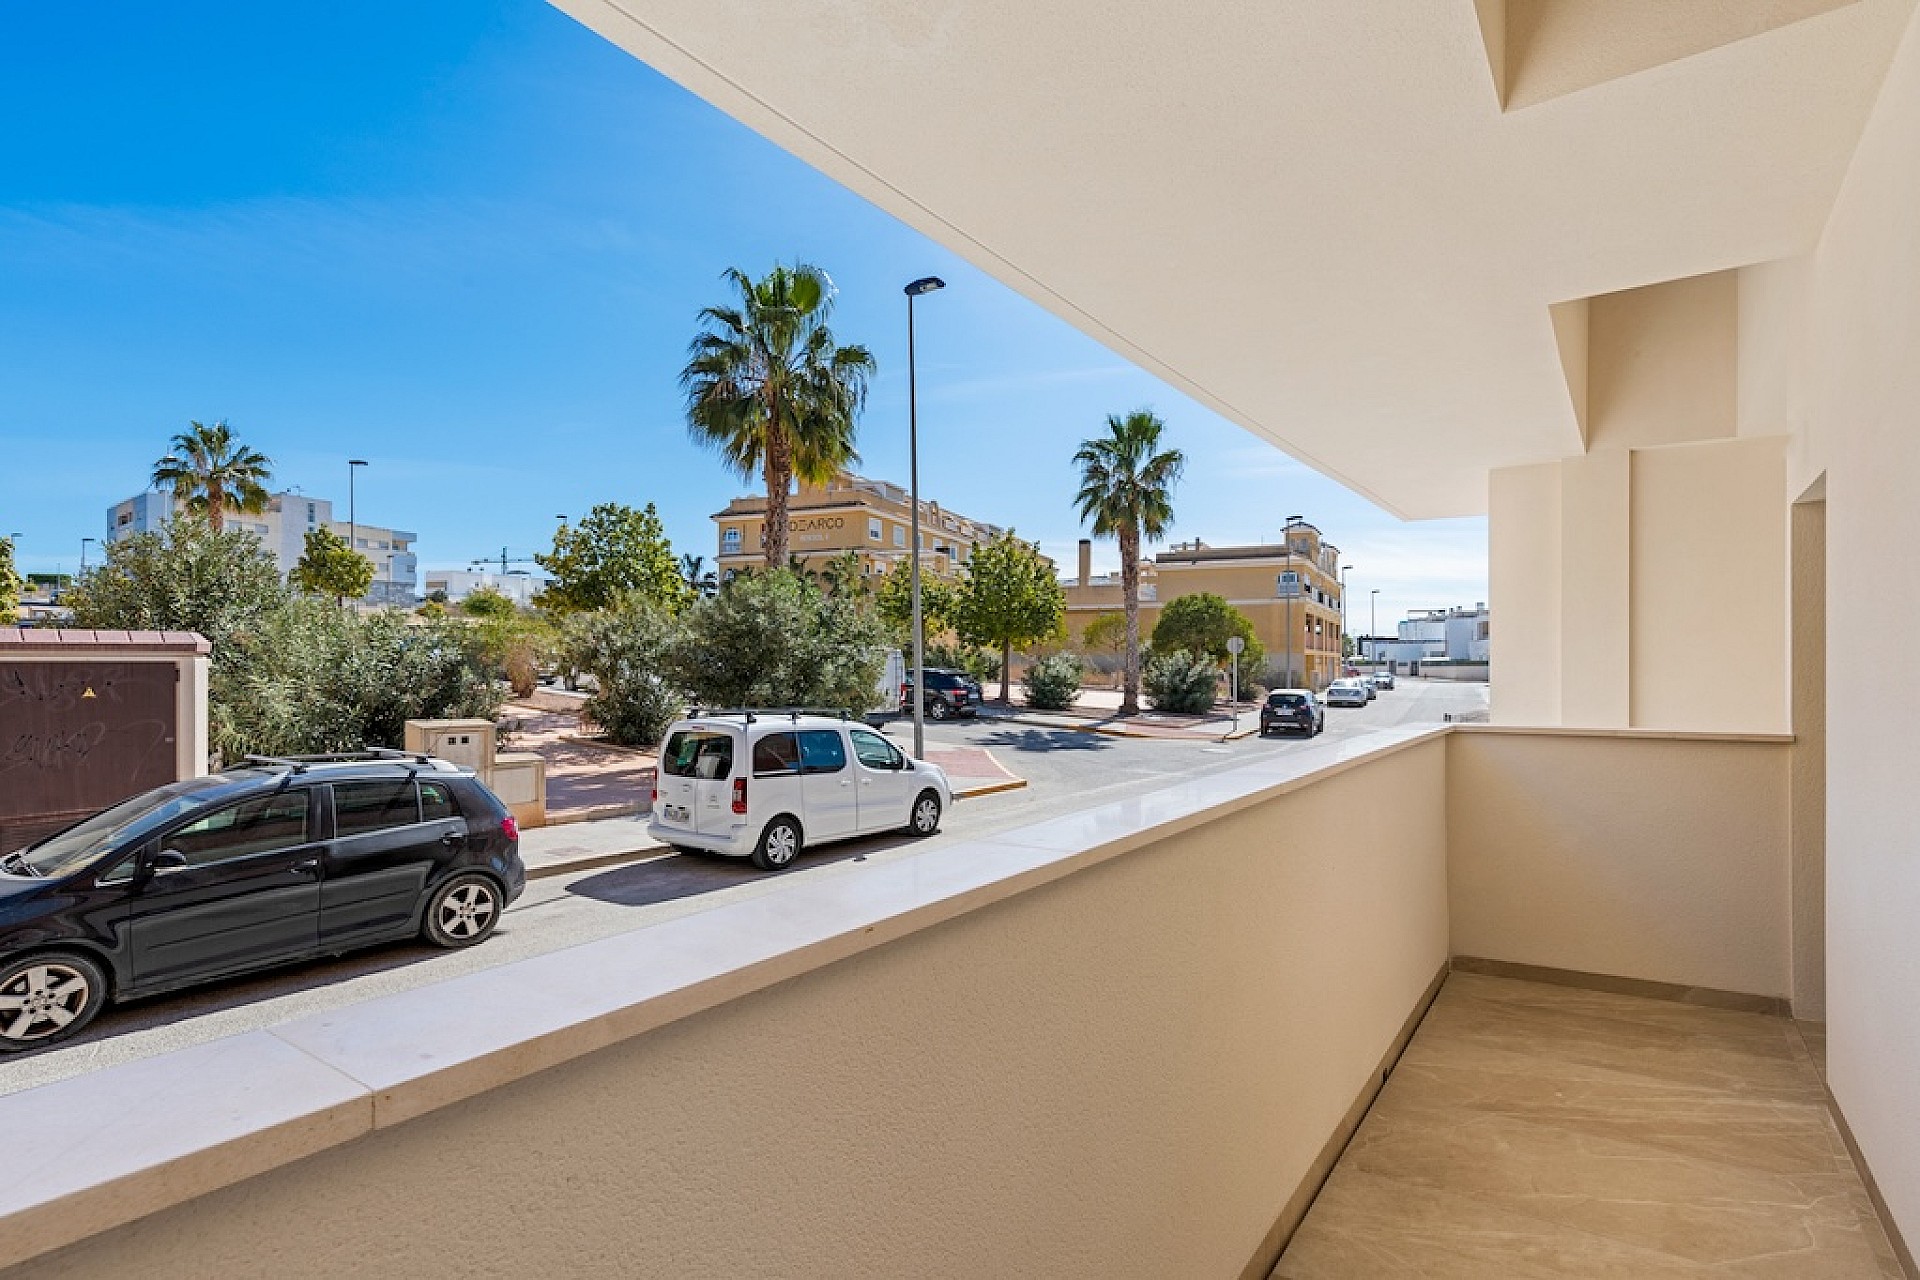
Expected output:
{"points": [[926, 814], [937, 709], [779, 845], [48, 997], [463, 911]]}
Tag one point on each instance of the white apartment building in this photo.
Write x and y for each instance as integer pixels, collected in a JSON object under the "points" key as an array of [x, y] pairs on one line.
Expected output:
{"points": [[282, 529], [518, 586]]}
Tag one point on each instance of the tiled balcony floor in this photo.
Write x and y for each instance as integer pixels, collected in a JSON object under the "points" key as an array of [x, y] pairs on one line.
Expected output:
{"points": [[1535, 1130]]}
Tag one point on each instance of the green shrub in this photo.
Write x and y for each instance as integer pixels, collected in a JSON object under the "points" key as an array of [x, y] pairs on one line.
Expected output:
{"points": [[313, 677], [1202, 623], [772, 639], [1181, 681], [1052, 682], [626, 650]]}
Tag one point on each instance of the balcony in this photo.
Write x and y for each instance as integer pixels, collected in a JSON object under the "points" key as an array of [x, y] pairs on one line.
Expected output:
{"points": [[1127, 1041]]}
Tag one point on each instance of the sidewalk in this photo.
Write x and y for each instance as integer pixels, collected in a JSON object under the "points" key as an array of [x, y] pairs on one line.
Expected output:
{"points": [[583, 844], [1098, 711], [584, 780]]}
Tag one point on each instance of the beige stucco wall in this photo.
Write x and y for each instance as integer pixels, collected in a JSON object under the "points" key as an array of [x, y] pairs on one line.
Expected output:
{"points": [[1661, 363], [1523, 586], [1122, 1073], [1863, 405], [1709, 587], [1595, 630], [1637, 856]]}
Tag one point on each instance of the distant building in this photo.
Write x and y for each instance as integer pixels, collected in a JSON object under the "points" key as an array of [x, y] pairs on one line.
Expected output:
{"points": [[851, 513], [282, 529], [1280, 587], [1426, 635], [518, 585]]}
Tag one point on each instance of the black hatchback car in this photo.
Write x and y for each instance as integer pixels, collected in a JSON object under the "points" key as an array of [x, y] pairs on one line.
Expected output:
{"points": [[949, 693], [276, 861]]}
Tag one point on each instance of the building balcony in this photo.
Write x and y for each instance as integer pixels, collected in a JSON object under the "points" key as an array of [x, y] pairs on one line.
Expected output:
{"points": [[1129, 1041]]}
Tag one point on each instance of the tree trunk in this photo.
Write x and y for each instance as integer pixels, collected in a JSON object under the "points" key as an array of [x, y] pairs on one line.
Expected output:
{"points": [[778, 470], [1006, 665], [216, 510], [1130, 594]]}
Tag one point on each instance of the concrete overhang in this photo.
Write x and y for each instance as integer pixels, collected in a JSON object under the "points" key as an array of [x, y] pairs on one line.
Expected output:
{"points": [[1343, 226]]}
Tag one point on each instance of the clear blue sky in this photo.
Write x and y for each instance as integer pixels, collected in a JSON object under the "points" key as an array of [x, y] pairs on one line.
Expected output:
{"points": [[467, 240]]}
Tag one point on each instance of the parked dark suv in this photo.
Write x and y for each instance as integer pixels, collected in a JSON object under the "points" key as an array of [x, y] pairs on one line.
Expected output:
{"points": [[1287, 709], [949, 693], [276, 861]]}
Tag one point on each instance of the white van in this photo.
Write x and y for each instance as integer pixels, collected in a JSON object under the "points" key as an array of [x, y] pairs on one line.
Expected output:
{"points": [[763, 784]]}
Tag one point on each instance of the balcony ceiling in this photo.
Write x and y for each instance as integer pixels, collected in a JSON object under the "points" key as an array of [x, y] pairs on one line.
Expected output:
{"points": [[1341, 225]]}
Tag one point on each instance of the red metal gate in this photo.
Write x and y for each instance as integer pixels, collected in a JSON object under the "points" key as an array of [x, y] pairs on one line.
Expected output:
{"points": [[76, 737]]}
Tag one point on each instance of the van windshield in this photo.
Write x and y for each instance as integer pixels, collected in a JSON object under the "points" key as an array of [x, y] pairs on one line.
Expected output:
{"points": [[698, 753]]}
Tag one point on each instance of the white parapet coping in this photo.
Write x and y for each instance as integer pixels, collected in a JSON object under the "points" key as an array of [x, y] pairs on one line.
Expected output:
{"points": [[99, 1150]]}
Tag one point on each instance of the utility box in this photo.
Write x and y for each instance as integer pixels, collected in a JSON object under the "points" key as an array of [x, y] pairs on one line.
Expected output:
{"points": [[468, 743]]}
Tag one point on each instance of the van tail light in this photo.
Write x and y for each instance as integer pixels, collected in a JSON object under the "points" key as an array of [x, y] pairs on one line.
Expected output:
{"points": [[653, 791], [509, 828], [739, 795]]}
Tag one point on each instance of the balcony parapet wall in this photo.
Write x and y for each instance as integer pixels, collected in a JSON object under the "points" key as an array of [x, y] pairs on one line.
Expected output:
{"points": [[1122, 1041]]}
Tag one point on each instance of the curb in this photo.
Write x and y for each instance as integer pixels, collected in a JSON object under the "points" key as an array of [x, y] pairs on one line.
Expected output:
{"points": [[594, 813], [589, 861], [988, 789], [600, 744]]}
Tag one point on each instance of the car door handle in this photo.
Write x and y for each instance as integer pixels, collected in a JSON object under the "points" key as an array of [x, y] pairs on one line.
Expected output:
{"points": [[305, 868], [452, 839]]}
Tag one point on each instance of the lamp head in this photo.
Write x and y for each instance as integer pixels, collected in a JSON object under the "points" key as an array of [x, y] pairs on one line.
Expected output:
{"points": [[926, 284], [356, 462]]}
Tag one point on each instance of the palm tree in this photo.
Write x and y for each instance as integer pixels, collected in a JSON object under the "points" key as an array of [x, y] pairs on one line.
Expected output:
{"points": [[769, 390], [213, 474], [1126, 489], [700, 579], [842, 575]]}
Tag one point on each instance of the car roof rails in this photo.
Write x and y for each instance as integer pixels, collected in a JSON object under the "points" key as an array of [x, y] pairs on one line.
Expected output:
{"points": [[370, 755]]}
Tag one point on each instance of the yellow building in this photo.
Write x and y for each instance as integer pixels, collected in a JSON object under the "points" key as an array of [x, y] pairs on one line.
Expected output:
{"points": [[851, 513], [1279, 587]]}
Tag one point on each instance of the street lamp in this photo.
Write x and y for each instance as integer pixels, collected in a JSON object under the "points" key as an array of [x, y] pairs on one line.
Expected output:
{"points": [[1373, 623], [1293, 589], [926, 284], [353, 522], [1343, 614], [83, 554]]}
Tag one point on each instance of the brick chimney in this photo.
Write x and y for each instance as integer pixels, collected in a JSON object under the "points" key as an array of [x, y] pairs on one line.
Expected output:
{"points": [[1086, 561]]}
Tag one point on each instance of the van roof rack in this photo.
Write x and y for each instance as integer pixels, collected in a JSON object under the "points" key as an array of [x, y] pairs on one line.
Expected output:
{"points": [[752, 714]]}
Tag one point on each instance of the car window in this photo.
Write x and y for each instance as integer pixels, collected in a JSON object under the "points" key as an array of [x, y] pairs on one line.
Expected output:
{"points": [[1286, 700], [260, 825], [777, 753], [69, 850], [822, 751], [873, 751], [361, 807], [437, 802], [698, 753]]}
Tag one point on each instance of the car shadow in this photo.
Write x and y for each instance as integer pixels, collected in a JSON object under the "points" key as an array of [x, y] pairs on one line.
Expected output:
{"points": [[688, 875], [1047, 740]]}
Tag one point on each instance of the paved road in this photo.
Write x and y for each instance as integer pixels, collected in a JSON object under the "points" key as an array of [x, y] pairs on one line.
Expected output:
{"points": [[1066, 770]]}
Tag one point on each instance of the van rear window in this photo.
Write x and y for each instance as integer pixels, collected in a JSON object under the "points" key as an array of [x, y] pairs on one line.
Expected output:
{"points": [[694, 753]]}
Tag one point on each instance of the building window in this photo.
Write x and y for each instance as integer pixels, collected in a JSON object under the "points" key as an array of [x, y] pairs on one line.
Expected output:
{"points": [[899, 536], [729, 539], [873, 528]]}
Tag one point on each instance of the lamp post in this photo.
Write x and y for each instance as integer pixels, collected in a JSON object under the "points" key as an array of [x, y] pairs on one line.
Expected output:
{"points": [[83, 554], [926, 284], [1343, 616], [1293, 589], [1373, 623]]}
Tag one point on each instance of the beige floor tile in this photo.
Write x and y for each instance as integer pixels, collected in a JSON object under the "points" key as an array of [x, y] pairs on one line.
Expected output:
{"points": [[1535, 1129]]}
